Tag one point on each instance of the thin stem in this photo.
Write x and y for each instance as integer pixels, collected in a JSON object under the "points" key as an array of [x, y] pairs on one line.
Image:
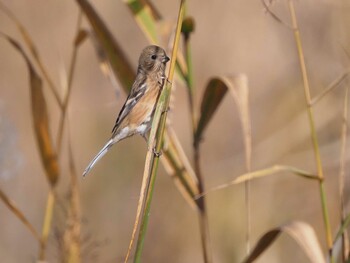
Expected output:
{"points": [[248, 159], [190, 82], [69, 89], [203, 217], [342, 170], [50, 204], [146, 213], [18, 213], [332, 86], [74, 224], [156, 136], [312, 126]]}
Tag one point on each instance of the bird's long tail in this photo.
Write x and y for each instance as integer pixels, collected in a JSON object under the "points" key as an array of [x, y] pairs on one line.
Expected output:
{"points": [[101, 153]]}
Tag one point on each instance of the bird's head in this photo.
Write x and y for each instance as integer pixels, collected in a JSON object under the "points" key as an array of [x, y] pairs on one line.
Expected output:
{"points": [[153, 59]]}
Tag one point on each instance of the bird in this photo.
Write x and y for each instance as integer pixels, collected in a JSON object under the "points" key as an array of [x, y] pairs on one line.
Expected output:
{"points": [[135, 117]]}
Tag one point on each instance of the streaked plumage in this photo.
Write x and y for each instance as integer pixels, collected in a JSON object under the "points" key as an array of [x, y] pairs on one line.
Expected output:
{"points": [[136, 115]]}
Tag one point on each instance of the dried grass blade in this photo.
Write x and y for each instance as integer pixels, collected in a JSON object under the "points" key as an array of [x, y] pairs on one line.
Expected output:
{"points": [[105, 64], [238, 87], [145, 16], [120, 64], [343, 228], [154, 11], [33, 50], [262, 173], [40, 118], [301, 232], [330, 87], [178, 167], [18, 213]]}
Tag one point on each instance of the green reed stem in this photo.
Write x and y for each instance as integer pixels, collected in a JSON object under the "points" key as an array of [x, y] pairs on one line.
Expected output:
{"points": [[312, 127], [151, 165]]}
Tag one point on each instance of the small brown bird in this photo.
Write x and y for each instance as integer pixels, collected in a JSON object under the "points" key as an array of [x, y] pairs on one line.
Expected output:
{"points": [[136, 115]]}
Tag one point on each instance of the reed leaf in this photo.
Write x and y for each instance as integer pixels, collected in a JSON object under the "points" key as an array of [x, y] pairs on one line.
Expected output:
{"points": [[179, 168], [18, 213], [40, 118], [301, 232], [33, 50], [343, 228], [145, 16], [213, 95], [120, 64], [262, 173]]}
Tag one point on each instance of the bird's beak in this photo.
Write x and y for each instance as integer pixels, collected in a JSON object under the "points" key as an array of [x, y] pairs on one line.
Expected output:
{"points": [[165, 59]]}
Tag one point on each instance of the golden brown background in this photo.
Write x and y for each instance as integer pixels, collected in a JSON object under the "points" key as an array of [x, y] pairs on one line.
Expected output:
{"points": [[230, 37]]}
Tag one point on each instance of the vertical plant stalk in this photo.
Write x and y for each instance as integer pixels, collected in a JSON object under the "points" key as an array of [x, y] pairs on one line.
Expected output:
{"points": [[50, 204], [187, 29], [69, 88], [240, 93], [74, 218], [312, 127], [146, 212], [156, 138], [248, 159], [203, 218], [342, 173], [73, 224], [189, 81]]}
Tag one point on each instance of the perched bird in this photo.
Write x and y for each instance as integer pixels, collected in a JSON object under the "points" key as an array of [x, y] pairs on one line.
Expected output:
{"points": [[136, 115]]}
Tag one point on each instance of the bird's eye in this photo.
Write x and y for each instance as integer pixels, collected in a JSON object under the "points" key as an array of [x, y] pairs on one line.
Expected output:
{"points": [[153, 57]]}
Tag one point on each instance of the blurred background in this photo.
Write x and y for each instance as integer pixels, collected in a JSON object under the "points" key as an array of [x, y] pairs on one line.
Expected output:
{"points": [[230, 37]]}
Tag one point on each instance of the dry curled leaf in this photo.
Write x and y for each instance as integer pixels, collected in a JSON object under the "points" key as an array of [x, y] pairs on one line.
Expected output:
{"points": [[301, 232], [40, 118], [213, 95]]}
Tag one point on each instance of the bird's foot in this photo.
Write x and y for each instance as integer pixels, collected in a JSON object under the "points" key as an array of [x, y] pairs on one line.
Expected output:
{"points": [[156, 154], [166, 110]]}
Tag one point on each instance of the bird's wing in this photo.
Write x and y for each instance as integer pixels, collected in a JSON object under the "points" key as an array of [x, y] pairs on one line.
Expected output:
{"points": [[137, 91]]}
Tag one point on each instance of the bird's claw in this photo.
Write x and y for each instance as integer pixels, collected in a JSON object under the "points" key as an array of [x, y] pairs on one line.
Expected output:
{"points": [[166, 110], [156, 154]]}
